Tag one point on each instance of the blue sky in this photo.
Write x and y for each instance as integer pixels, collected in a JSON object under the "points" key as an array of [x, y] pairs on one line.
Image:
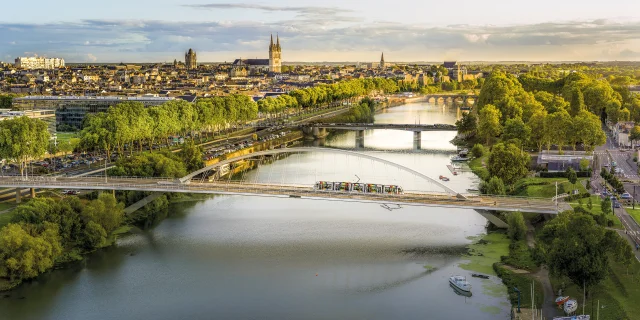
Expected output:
{"points": [[328, 30]]}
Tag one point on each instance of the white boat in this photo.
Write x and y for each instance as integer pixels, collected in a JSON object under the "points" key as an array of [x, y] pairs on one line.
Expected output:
{"points": [[459, 159], [570, 306], [580, 317], [460, 283]]}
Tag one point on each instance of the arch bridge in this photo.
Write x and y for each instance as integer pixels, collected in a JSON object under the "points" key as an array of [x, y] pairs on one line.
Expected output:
{"points": [[448, 198], [467, 100]]}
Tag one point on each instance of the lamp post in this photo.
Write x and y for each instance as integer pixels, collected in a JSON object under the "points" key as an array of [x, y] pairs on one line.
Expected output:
{"points": [[518, 291], [633, 201]]}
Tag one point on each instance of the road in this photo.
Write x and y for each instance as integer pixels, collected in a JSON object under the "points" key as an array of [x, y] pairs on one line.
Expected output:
{"points": [[603, 155], [538, 205]]}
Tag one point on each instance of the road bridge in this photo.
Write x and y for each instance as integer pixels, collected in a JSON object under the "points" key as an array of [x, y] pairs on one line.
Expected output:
{"points": [[466, 99], [319, 129], [195, 183], [409, 198]]}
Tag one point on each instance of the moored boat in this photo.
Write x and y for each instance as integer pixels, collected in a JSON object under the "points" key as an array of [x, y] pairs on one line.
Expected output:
{"points": [[460, 283], [459, 159], [478, 275], [570, 306]]}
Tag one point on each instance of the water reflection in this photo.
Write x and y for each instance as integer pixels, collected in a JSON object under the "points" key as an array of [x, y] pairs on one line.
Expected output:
{"points": [[268, 258]]}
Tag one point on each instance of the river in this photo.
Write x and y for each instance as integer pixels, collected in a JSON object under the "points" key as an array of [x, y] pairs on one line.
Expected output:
{"points": [[233, 257]]}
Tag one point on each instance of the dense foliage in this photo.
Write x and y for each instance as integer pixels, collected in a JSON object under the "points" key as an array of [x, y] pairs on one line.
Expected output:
{"points": [[23, 139], [508, 163], [573, 245], [45, 231]]}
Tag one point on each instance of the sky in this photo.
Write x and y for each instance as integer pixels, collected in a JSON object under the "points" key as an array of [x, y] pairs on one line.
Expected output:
{"points": [[322, 30]]}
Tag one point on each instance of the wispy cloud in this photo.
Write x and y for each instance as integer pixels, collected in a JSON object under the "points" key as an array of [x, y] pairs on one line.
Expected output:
{"points": [[302, 10], [144, 40]]}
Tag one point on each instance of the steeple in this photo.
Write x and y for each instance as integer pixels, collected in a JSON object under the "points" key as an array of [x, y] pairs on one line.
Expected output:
{"points": [[271, 45], [278, 43], [382, 65]]}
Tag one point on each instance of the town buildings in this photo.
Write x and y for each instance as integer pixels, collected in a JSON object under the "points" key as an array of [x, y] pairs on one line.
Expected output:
{"points": [[39, 63]]}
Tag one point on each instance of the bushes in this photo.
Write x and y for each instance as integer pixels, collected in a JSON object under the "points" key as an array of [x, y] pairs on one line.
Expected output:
{"points": [[560, 174], [477, 151], [574, 197], [517, 228], [612, 180], [513, 280]]}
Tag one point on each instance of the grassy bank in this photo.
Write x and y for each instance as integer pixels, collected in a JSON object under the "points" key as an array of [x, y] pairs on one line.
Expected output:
{"points": [[635, 213], [477, 166], [546, 187], [596, 209]]}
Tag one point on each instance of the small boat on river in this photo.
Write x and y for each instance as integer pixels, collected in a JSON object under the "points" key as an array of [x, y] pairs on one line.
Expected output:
{"points": [[460, 283], [459, 159], [570, 306], [478, 275]]}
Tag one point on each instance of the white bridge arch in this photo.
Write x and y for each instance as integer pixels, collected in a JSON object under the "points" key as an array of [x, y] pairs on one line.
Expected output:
{"points": [[326, 150]]}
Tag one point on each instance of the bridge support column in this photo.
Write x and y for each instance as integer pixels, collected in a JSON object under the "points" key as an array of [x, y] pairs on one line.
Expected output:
{"points": [[360, 139], [33, 192], [417, 140], [18, 195], [493, 218]]}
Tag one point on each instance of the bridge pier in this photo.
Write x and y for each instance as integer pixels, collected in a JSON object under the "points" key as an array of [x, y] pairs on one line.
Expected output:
{"points": [[493, 218], [33, 192], [417, 140], [18, 196], [360, 139]]}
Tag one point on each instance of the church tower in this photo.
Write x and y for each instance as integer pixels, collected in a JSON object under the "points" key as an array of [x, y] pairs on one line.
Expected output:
{"points": [[382, 66], [190, 60], [275, 56]]}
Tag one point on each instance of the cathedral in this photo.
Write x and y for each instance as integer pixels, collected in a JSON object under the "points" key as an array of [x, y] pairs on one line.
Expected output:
{"points": [[190, 60], [273, 64]]}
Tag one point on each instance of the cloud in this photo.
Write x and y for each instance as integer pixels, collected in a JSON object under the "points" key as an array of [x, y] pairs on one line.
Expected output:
{"points": [[302, 10], [91, 57], [305, 38]]}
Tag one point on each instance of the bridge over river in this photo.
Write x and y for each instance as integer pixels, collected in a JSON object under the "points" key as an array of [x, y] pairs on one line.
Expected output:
{"points": [[411, 198]]}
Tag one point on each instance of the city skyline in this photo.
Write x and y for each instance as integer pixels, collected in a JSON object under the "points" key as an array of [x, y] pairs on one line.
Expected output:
{"points": [[334, 31]]}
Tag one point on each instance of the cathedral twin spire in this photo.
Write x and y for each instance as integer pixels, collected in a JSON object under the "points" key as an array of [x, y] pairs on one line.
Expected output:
{"points": [[276, 46]]}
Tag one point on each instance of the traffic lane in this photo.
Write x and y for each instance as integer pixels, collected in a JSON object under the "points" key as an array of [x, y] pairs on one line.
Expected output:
{"points": [[622, 161]]}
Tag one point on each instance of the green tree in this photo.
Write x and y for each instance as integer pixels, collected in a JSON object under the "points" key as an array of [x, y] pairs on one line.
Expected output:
{"points": [[573, 245], [23, 139], [576, 103], [588, 128], [635, 134], [572, 176], [508, 163], [584, 165], [24, 256], [495, 186], [468, 124], [94, 235], [605, 206], [489, 125], [517, 229], [477, 151], [559, 125], [516, 129], [590, 204], [105, 211], [191, 154], [539, 135]]}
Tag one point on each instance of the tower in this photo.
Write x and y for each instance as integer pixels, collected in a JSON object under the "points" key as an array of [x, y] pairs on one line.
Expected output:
{"points": [[382, 66], [275, 55], [190, 60]]}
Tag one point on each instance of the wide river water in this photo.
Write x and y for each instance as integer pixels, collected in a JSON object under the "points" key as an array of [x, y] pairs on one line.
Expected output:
{"points": [[234, 257]]}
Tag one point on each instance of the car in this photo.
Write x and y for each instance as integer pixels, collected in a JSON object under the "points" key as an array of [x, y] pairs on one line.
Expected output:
{"points": [[625, 195], [71, 192], [616, 205]]}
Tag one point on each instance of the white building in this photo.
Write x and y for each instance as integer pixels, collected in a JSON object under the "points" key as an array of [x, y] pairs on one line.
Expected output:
{"points": [[39, 63]]}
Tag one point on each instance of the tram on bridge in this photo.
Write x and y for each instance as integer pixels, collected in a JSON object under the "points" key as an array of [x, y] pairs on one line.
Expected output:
{"points": [[357, 187]]}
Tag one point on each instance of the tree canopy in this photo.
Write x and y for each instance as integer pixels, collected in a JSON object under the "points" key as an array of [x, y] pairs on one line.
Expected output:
{"points": [[23, 139], [508, 163]]}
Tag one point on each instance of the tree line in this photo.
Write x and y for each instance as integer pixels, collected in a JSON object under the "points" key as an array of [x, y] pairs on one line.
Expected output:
{"points": [[45, 231], [23, 139]]}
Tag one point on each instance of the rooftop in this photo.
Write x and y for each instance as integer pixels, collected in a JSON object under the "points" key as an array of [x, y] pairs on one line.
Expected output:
{"points": [[87, 98]]}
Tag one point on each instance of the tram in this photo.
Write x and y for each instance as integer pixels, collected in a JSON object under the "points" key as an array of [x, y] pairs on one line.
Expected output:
{"points": [[357, 187]]}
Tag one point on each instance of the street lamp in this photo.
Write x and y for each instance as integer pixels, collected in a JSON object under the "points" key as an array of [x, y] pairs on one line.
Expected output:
{"points": [[633, 201], [518, 291]]}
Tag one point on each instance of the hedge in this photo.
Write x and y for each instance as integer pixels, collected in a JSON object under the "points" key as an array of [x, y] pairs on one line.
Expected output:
{"points": [[563, 174]]}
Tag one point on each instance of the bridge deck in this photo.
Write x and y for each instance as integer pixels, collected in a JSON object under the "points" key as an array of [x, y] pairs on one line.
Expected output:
{"points": [[408, 198], [405, 127]]}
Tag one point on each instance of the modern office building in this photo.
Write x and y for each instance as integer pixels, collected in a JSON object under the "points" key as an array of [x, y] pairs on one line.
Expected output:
{"points": [[71, 110], [38, 63]]}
